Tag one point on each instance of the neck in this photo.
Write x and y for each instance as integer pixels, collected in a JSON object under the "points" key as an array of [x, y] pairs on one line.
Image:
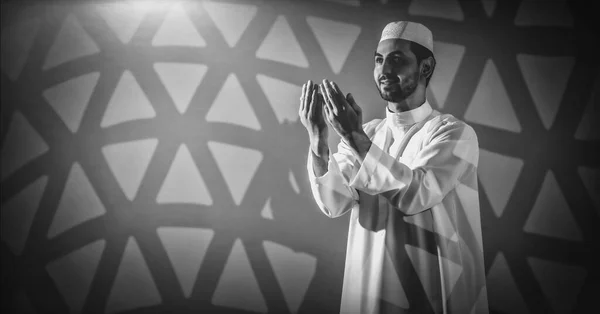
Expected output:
{"points": [[416, 99]]}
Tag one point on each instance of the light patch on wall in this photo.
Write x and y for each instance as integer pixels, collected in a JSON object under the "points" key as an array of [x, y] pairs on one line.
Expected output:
{"points": [[489, 6], [231, 19], [448, 58], [293, 182], [70, 99], [18, 213], [267, 211], [503, 291], [72, 42], [237, 287], [183, 183], [561, 283], [22, 144], [127, 103], [186, 248], [15, 43], [123, 17], [181, 81], [490, 104], [128, 162], [282, 96], [546, 78], [354, 3], [294, 272], [134, 286], [178, 30], [335, 38], [498, 175], [281, 45], [232, 106], [591, 180], [551, 215], [434, 8], [78, 203], [237, 165], [74, 272], [544, 13], [588, 128]]}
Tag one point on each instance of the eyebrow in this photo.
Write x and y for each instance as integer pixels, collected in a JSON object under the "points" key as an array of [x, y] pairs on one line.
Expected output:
{"points": [[395, 52]]}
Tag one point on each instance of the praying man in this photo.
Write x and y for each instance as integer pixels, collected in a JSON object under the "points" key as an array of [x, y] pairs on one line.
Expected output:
{"points": [[409, 182]]}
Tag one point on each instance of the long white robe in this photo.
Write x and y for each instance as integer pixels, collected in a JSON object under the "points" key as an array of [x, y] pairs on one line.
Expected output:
{"points": [[414, 241]]}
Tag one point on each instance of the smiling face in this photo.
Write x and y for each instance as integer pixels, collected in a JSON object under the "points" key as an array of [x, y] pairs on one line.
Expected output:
{"points": [[396, 71]]}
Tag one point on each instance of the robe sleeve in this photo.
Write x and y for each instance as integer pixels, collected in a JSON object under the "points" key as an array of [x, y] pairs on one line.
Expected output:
{"points": [[449, 152], [331, 191]]}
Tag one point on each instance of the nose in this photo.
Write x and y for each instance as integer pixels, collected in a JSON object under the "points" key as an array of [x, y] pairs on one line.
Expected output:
{"points": [[386, 68]]}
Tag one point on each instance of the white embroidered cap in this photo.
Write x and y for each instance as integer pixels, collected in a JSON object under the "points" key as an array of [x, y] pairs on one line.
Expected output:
{"points": [[410, 31]]}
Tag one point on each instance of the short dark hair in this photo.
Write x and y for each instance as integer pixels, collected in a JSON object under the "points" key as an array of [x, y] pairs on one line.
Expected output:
{"points": [[422, 53]]}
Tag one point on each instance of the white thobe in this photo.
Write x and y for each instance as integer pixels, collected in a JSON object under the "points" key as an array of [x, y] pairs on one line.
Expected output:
{"points": [[414, 240]]}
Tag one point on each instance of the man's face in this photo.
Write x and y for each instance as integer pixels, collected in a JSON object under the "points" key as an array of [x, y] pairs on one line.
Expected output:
{"points": [[396, 72]]}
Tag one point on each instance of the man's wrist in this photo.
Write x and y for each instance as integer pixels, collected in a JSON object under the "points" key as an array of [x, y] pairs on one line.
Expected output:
{"points": [[359, 142], [319, 146]]}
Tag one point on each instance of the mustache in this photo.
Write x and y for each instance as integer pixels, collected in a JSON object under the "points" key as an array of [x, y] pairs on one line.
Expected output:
{"points": [[388, 79]]}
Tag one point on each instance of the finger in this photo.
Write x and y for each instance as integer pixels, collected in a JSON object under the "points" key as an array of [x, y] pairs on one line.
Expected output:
{"points": [[331, 120], [312, 104], [336, 87], [340, 102], [302, 102], [333, 88], [328, 115], [326, 100], [343, 101], [309, 107], [319, 103], [316, 104], [330, 98], [309, 88]]}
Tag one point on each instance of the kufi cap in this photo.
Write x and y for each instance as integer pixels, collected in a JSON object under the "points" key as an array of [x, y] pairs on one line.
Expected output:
{"points": [[410, 31]]}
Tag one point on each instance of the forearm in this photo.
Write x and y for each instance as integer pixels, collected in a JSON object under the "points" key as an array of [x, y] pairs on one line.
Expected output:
{"points": [[432, 173], [328, 184], [320, 156], [320, 163], [405, 188], [360, 143]]}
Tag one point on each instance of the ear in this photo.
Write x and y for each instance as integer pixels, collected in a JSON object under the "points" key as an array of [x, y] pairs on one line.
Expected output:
{"points": [[427, 66]]}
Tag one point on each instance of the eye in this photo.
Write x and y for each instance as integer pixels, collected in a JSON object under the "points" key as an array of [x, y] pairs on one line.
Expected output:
{"points": [[378, 60]]}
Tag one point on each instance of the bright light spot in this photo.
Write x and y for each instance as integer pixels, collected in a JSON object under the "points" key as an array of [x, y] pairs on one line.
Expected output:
{"points": [[150, 5]]}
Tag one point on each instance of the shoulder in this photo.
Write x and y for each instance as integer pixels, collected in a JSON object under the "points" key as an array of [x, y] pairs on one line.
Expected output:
{"points": [[446, 124]]}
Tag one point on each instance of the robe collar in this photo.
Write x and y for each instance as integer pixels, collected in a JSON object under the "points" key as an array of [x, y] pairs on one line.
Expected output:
{"points": [[407, 118]]}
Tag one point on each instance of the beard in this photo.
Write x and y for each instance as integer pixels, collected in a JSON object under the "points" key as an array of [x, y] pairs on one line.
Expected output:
{"points": [[400, 91]]}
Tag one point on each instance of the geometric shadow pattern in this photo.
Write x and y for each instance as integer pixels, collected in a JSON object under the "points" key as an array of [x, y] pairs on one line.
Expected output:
{"points": [[153, 161]]}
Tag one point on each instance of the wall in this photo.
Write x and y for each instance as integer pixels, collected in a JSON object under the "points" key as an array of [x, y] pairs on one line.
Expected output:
{"points": [[152, 158]]}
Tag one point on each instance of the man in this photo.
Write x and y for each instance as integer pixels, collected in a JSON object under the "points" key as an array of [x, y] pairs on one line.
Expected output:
{"points": [[409, 182]]}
